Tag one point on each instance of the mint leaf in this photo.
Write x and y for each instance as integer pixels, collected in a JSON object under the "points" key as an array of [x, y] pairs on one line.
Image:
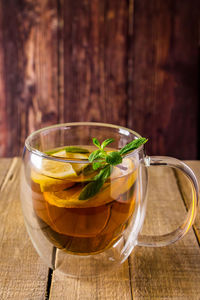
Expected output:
{"points": [[103, 173], [96, 143], [133, 145], [96, 165], [114, 158], [106, 143], [106, 172], [91, 189], [94, 155]]}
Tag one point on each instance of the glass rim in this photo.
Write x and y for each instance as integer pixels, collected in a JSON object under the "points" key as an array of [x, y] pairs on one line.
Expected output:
{"points": [[85, 161]]}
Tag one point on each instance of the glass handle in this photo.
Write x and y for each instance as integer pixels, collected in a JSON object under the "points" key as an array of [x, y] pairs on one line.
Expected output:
{"points": [[166, 239]]}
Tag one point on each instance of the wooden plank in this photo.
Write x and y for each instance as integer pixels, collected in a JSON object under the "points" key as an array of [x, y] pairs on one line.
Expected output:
{"points": [[60, 32], [95, 60], [4, 166], [171, 272], [163, 85], [109, 286], [3, 123], [22, 274], [186, 192], [177, 266], [28, 65]]}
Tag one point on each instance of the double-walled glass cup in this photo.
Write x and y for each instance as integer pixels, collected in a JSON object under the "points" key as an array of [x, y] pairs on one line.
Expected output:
{"points": [[83, 236]]}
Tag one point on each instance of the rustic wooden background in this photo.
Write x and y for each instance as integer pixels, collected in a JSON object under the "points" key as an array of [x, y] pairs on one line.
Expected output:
{"points": [[127, 62]]}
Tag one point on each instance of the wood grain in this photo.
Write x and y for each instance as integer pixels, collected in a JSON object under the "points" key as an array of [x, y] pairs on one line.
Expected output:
{"points": [[110, 286], [3, 119], [171, 272], [132, 63], [4, 166], [22, 274], [163, 94], [28, 60], [95, 60]]}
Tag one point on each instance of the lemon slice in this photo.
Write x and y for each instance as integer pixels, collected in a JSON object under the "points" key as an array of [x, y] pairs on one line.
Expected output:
{"points": [[48, 183], [61, 153], [58, 170], [70, 155], [53, 175], [70, 198], [79, 156], [120, 182]]}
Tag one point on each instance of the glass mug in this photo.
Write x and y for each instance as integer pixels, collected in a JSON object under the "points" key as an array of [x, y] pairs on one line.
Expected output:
{"points": [[89, 237]]}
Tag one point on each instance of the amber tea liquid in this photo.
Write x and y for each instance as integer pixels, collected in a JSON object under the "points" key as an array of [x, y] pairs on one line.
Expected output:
{"points": [[91, 226]]}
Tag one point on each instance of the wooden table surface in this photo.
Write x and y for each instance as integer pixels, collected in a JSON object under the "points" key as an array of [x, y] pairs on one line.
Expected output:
{"points": [[171, 272]]}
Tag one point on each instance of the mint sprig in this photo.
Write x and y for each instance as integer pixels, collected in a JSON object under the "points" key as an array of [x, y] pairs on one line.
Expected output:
{"points": [[133, 145], [114, 158], [92, 188], [104, 162], [106, 143]]}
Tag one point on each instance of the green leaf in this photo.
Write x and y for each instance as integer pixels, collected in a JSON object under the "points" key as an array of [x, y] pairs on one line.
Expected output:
{"points": [[91, 189], [114, 158], [106, 143], [106, 172], [94, 155], [133, 145], [103, 173], [73, 149], [96, 165], [96, 142]]}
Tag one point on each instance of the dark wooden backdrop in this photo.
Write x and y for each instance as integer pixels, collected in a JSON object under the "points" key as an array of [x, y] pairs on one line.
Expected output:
{"points": [[127, 62]]}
